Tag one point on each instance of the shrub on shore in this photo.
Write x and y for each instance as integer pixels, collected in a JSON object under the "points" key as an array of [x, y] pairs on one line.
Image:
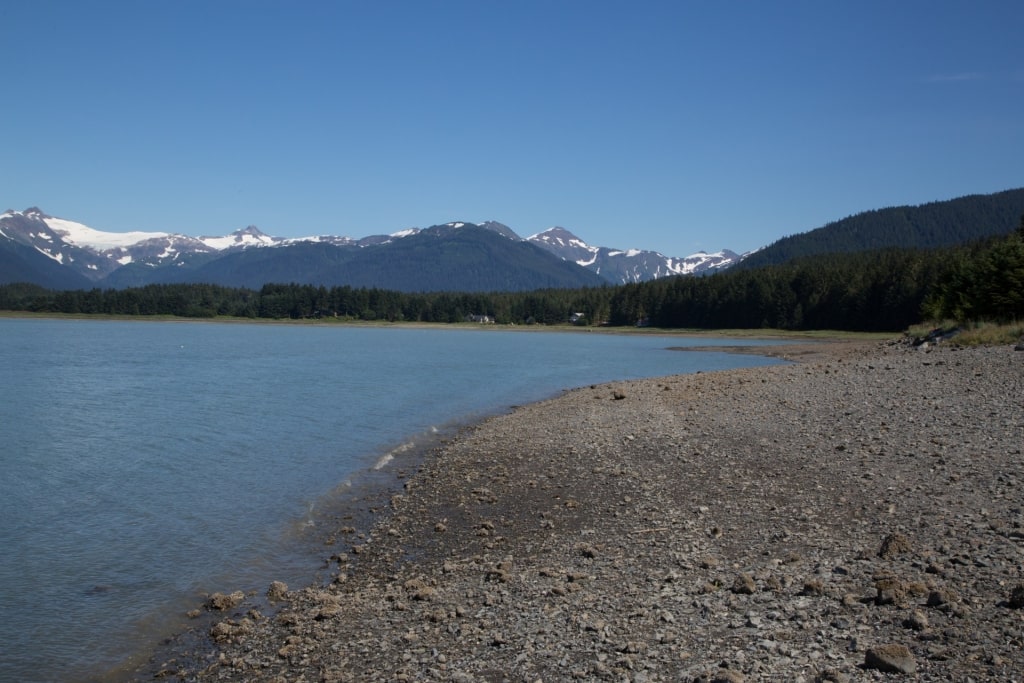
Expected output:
{"points": [[981, 333]]}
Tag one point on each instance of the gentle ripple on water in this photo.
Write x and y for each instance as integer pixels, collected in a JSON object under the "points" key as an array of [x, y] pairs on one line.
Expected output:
{"points": [[147, 463]]}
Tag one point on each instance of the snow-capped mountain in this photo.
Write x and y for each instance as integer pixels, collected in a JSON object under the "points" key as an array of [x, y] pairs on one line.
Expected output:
{"points": [[633, 265], [96, 253], [83, 255]]}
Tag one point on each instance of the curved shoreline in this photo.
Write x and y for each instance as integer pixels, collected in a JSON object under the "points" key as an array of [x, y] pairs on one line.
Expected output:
{"points": [[766, 523]]}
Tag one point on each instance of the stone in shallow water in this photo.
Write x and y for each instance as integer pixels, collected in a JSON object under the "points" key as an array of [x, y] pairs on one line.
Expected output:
{"points": [[277, 591], [221, 602]]}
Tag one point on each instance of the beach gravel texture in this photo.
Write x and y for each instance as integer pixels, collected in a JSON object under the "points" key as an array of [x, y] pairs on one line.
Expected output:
{"points": [[856, 516]]}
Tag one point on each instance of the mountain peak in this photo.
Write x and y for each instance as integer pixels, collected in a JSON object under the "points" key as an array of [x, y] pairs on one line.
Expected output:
{"points": [[501, 229], [557, 233], [249, 236], [629, 265]]}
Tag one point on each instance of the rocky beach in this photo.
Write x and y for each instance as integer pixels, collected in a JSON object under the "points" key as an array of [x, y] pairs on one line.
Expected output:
{"points": [[856, 515]]}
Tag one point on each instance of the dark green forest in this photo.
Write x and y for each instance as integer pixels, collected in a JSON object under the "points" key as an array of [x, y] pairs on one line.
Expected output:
{"points": [[934, 225], [880, 290]]}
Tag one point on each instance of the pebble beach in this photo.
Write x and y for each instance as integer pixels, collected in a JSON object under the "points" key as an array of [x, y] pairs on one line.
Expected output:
{"points": [[856, 515]]}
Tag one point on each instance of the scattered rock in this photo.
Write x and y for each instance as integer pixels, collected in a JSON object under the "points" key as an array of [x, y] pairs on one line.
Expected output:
{"points": [[940, 597], [892, 658], [328, 610], [707, 533], [221, 602], [893, 546], [222, 631], [277, 591], [1016, 600], [890, 591], [419, 589], [744, 585], [500, 573], [917, 620], [832, 676]]}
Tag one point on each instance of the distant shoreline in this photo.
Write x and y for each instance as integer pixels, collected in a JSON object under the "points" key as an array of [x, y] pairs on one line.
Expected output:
{"points": [[752, 334]]}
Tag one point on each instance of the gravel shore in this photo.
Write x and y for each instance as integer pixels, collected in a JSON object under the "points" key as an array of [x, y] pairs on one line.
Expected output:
{"points": [[858, 515]]}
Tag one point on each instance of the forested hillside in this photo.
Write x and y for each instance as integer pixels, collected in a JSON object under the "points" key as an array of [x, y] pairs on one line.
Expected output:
{"points": [[21, 263], [928, 226], [983, 281], [437, 259]]}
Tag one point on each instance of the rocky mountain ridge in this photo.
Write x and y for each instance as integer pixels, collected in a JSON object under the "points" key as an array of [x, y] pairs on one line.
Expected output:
{"points": [[87, 255], [629, 265]]}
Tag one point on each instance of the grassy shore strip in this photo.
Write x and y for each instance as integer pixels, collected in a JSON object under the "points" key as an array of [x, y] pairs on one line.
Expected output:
{"points": [[832, 520], [752, 334], [971, 334]]}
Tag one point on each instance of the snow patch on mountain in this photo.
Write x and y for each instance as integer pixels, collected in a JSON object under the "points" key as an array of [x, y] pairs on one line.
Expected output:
{"points": [[84, 236], [246, 237], [315, 239], [404, 233]]}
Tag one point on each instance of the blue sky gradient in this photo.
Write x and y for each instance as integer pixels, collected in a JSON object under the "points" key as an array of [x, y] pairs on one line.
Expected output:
{"points": [[673, 126]]}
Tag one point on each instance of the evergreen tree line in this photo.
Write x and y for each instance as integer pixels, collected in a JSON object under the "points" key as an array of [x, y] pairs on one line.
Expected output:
{"points": [[983, 281], [294, 301], [930, 226], [883, 290]]}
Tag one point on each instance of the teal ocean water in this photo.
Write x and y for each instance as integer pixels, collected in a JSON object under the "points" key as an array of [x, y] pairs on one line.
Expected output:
{"points": [[145, 464]]}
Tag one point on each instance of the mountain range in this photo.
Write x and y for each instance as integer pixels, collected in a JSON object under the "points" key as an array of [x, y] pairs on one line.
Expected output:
{"points": [[61, 254], [57, 253]]}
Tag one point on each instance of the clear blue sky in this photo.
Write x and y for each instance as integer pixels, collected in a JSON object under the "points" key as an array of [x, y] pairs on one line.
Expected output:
{"points": [[675, 126]]}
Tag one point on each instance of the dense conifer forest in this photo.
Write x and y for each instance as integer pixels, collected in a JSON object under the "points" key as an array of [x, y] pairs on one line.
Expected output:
{"points": [[934, 225], [880, 290]]}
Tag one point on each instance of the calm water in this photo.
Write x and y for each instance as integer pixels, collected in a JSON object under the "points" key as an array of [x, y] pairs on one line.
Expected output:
{"points": [[145, 464]]}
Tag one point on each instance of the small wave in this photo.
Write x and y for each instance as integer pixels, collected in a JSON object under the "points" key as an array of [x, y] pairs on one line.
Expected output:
{"points": [[404, 448]]}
